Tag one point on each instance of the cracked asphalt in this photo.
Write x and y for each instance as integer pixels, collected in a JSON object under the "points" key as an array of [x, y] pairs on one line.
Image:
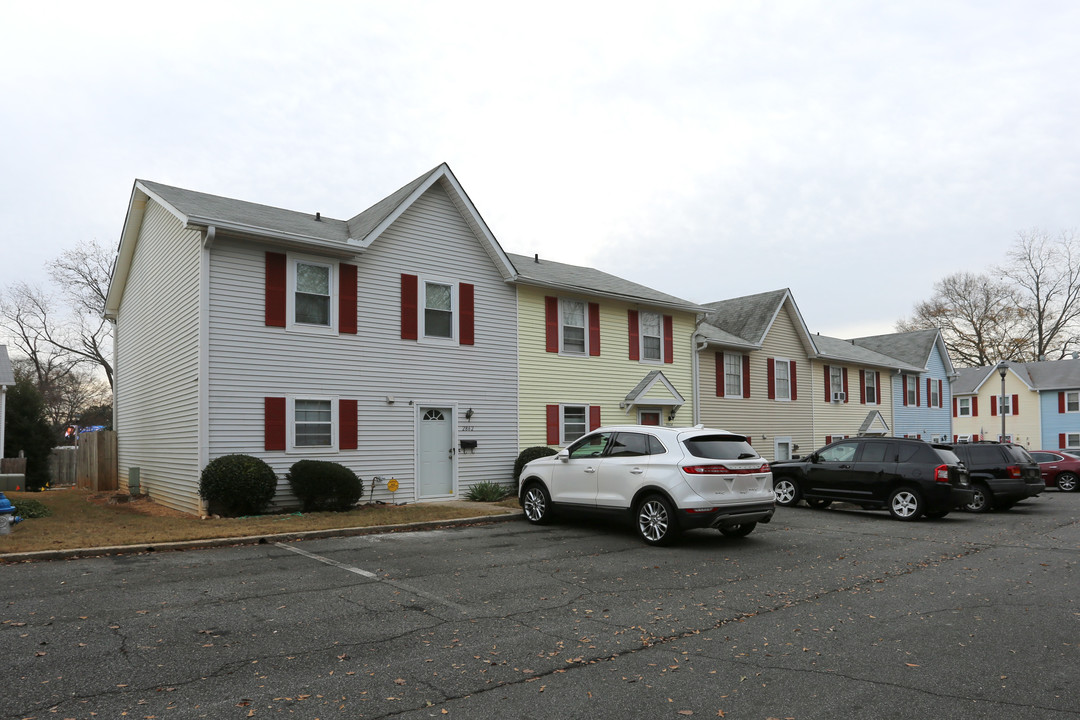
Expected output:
{"points": [[838, 613]]}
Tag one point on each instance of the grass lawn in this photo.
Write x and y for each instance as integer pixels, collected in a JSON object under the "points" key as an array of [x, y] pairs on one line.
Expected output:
{"points": [[81, 519]]}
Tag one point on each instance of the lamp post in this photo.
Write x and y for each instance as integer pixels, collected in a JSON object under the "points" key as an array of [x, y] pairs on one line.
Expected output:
{"points": [[1003, 369]]}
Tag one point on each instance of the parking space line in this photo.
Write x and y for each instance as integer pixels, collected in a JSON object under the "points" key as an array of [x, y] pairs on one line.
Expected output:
{"points": [[372, 576]]}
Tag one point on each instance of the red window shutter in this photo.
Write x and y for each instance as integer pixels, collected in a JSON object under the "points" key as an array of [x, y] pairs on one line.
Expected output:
{"points": [[929, 393], [551, 324], [905, 390], [552, 424], [770, 376], [635, 340], [954, 405], [467, 314], [794, 381], [1061, 404], [918, 392], [846, 393], [1015, 409], [954, 438], [1061, 441], [828, 384], [940, 394], [828, 439], [348, 424], [274, 423], [862, 387], [347, 299], [974, 438], [594, 417], [275, 289], [877, 386], [993, 405], [974, 407], [409, 301], [746, 376], [719, 374], [594, 329], [669, 339]]}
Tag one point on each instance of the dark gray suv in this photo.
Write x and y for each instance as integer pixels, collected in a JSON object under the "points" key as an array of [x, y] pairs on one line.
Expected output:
{"points": [[909, 478], [1002, 474]]}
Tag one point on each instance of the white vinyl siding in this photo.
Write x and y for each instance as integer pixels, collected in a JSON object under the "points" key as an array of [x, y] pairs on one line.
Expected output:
{"points": [[249, 361], [157, 361]]}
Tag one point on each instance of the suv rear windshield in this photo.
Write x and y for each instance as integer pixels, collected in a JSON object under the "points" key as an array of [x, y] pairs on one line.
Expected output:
{"points": [[1017, 453], [720, 447], [947, 455]]}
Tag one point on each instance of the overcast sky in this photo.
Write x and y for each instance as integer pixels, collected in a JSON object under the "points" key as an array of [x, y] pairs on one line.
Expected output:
{"points": [[854, 152]]}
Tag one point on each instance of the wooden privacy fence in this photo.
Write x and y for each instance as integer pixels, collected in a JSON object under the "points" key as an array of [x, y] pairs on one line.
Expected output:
{"points": [[62, 466], [13, 466], [95, 464]]}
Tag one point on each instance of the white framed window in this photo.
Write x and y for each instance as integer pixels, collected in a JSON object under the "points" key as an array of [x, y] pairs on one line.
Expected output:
{"points": [[963, 407], [1072, 402], [1072, 441], [311, 295], [870, 386], [438, 310], [652, 336], [913, 390], [650, 416], [836, 382], [782, 448], [312, 423], [1004, 404], [573, 422], [573, 327], [935, 397], [782, 379], [733, 377]]}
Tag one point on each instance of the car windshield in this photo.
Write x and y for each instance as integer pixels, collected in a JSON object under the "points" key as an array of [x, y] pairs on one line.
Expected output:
{"points": [[720, 447]]}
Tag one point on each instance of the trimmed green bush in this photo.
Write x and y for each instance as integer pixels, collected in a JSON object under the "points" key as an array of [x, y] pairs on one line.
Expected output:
{"points": [[323, 485], [487, 491], [31, 509], [235, 485], [528, 455]]}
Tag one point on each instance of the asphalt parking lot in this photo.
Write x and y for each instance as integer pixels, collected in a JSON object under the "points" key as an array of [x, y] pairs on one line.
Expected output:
{"points": [[838, 613]]}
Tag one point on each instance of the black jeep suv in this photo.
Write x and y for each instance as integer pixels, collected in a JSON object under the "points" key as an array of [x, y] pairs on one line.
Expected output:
{"points": [[909, 478], [1002, 474]]}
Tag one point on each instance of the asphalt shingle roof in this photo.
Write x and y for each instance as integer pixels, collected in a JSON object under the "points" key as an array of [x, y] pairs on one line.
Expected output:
{"points": [[747, 318], [913, 347], [586, 280], [847, 351]]}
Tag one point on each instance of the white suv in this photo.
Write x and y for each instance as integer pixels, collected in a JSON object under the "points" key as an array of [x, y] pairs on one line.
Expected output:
{"points": [[666, 479]]}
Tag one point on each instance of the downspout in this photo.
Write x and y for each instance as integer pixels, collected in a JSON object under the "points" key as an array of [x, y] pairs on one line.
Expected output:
{"points": [[695, 385], [813, 408], [3, 416]]}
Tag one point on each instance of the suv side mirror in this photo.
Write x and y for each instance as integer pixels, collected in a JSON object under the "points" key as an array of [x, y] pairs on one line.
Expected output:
{"points": [[563, 455]]}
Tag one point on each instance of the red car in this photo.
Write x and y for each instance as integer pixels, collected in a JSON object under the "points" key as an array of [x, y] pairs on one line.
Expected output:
{"points": [[1059, 469]]}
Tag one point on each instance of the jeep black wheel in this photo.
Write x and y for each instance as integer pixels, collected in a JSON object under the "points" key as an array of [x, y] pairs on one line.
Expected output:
{"points": [[786, 492], [656, 521], [980, 499], [537, 504], [905, 504]]}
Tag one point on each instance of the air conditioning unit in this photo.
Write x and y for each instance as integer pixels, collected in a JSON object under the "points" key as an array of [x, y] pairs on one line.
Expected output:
{"points": [[839, 397]]}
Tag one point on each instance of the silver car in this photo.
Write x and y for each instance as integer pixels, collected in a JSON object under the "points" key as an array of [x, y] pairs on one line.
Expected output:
{"points": [[666, 479]]}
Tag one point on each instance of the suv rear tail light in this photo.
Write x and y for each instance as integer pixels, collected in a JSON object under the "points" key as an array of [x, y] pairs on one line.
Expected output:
{"points": [[1014, 471], [941, 473], [723, 470]]}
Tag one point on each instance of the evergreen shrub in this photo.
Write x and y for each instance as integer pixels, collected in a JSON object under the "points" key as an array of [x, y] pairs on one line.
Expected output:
{"points": [[234, 485], [323, 485]]}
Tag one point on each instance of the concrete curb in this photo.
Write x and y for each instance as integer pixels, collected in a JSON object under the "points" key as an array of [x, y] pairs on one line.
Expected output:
{"points": [[72, 553]]}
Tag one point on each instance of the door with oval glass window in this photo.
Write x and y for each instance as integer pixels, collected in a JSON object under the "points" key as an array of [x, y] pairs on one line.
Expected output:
{"points": [[435, 453]]}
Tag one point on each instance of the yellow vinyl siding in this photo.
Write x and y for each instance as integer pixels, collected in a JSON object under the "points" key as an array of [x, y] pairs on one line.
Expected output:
{"points": [[833, 419], [1026, 428], [551, 378]]}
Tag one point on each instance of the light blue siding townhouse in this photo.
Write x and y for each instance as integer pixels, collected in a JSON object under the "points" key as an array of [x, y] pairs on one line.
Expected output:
{"points": [[922, 400], [1059, 402]]}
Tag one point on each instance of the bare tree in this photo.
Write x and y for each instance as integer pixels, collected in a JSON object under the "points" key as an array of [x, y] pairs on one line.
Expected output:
{"points": [[980, 319], [24, 311], [1046, 270]]}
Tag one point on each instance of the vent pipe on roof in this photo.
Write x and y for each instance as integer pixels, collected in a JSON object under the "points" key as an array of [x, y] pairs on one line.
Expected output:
{"points": [[318, 217], [536, 259]]}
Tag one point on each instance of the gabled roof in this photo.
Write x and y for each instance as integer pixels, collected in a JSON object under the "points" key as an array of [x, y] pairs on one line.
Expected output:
{"points": [[970, 380], [913, 348], [7, 375], [830, 348], [746, 321], [213, 214], [1049, 375], [874, 424], [640, 394], [589, 281]]}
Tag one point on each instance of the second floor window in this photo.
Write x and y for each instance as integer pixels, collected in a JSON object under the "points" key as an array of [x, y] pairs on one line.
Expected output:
{"points": [[312, 294], [733, 375], [783, 380], [963, 407], [1072, 402], [935, 398], [870, 385], [912, 390], [836, 381], [573, 326], [1005, 405], [651, 337], [438, 310]]}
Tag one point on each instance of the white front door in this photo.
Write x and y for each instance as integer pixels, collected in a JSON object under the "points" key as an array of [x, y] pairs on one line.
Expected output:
{"points": [[435, 453]]}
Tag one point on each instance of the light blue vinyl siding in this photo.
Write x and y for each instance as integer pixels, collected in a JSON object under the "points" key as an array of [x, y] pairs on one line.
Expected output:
{"points": [[1053, 422], [924, 420]]}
